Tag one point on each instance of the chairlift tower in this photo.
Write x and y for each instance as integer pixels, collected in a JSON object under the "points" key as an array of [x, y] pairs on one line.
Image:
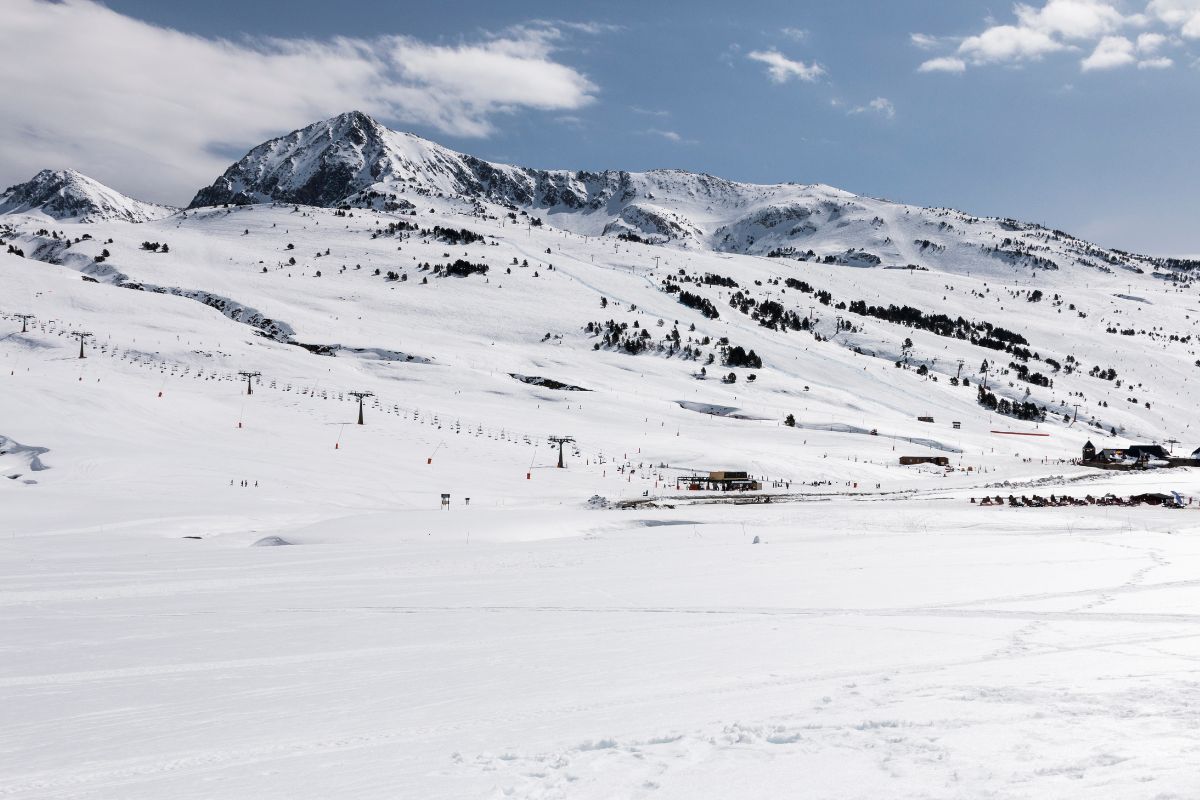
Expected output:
{"points": [[24, 321], [249, 376], [81, 336], [560, 441], [361, 396]]}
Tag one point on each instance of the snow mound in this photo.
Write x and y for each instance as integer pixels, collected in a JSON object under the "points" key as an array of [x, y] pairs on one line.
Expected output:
{"points": [[16, 459], [272, 541]]}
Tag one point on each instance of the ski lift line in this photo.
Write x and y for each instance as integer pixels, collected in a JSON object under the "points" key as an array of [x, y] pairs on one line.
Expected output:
{"points": [[142, 358]]}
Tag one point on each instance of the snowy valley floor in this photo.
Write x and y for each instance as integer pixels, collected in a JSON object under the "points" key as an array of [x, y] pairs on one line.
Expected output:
{"points": [[918, 648]]}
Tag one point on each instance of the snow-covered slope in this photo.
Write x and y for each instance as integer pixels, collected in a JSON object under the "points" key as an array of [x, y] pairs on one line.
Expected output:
{"points": [[67, 195]]}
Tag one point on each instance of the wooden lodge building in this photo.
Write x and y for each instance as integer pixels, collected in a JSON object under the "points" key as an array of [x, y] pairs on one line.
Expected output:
{"points": [[718, 481], [1135, 456]]}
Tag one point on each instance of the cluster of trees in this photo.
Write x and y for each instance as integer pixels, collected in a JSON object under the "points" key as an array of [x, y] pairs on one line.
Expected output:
{"points": [[1036, 378], [1010, 408], [712, 279], [791, 252], [397, 227], [616, 335], [156, 247], [460, 269], [626, 236], [984, 334], [455, 236], [636, 339], [701, 304], [769, 313], [736, 356]]}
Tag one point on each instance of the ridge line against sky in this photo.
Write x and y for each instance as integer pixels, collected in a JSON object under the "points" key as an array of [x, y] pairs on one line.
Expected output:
{"points": [[1079, 114]]}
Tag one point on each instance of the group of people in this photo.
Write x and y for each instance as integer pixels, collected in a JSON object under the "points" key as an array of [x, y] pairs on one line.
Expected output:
{"points": [[1037, 501]]}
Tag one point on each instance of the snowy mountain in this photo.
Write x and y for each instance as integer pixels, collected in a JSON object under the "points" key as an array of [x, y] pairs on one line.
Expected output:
{"points": [[67, 195], [353, 161]]}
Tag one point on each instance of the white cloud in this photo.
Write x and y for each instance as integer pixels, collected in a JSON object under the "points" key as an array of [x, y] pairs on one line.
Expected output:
{"points": [[1071, 19], [1110, 52], [1149, 43], [159, 113], [782, 69], [880, 105], [1181, 14], [795, 34], [1055, 26], [943, 64], [1008, 43]]}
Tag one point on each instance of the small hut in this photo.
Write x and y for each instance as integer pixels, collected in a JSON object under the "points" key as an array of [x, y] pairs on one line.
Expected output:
{"points": [[1089, 451]]}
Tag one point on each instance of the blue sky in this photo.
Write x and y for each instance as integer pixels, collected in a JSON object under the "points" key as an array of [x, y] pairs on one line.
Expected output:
{"points": [[1080, 114]]}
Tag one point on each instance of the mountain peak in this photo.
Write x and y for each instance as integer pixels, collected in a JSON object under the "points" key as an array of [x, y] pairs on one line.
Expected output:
{"points": [[67, 194]]}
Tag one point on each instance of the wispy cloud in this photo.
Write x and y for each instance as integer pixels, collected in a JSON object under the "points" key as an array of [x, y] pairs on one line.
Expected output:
{"points": [[94, 104], [591, 27], [782, 69], [795, 34], [924, 41], [670, 136], [880, 105], [650, 112]]}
